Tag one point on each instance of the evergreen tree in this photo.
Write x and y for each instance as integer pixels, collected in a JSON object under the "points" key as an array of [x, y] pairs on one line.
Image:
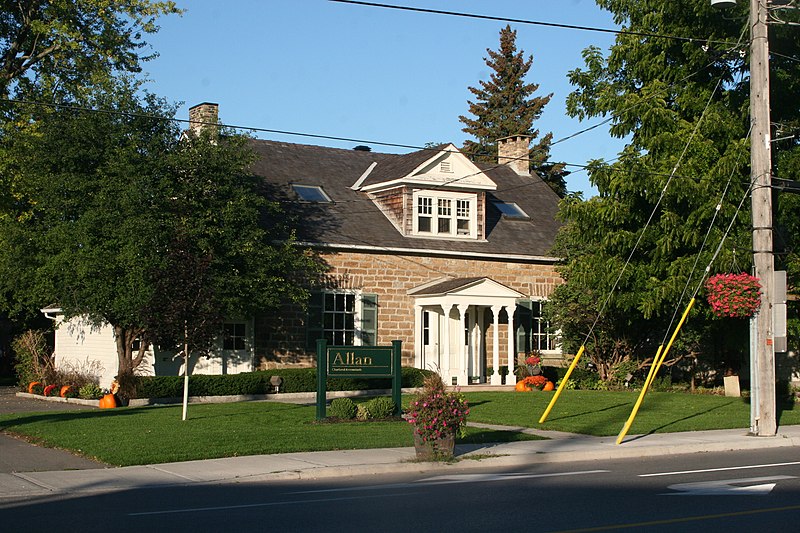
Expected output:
{"points": [[683, 105], [504, 107]]}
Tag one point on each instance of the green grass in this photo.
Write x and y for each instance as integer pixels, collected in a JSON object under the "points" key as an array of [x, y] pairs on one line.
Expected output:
{"points": [[149, 435], [604, 413]]}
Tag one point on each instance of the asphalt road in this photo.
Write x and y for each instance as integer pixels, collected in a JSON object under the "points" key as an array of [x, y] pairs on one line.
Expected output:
{"points": [[733, 491], [17, 455]]}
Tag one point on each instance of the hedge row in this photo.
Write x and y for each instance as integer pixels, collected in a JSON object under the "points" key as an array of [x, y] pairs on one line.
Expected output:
{"points": [[294, 380]]}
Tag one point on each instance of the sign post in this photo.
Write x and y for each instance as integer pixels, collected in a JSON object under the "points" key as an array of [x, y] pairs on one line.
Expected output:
{"points": [[366, 362]]}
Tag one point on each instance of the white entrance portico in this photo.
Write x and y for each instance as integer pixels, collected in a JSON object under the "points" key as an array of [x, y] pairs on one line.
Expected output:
{"points": [[453, 319]]}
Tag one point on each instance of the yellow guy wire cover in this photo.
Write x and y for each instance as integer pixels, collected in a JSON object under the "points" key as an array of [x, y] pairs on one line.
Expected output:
{"points": [[657, 364], [562, 384]]}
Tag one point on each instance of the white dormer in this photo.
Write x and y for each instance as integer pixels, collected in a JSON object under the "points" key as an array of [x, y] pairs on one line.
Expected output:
{"points": [[446, 168], [443, 197]]}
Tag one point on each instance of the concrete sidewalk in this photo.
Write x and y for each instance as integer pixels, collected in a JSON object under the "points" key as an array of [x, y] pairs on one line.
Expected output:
{"points": [[560, 447]]}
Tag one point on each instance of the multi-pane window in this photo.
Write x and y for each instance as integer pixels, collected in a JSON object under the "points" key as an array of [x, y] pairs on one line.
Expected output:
{"points": [[542, 339], [233, 336], [533, 331], [342, 318], [339, 318], [462, 217], [424, 213], [445, 214]]}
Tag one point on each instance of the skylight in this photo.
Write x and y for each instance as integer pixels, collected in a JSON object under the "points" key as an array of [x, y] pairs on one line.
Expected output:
{"points": [[311, 193], [510, 210]]}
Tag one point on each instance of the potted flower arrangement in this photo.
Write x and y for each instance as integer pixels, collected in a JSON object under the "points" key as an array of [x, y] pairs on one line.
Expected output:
{"points": [[437, 416], [538, 382], [534, 362], [733, 295]]}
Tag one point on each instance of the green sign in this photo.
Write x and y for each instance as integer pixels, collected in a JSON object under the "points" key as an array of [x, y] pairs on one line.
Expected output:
{"points": [[367, 362], [360, 361]]}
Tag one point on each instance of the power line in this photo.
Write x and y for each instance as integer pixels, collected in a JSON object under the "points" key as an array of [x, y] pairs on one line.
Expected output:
{"points": [[72, 107], [531, 22]]}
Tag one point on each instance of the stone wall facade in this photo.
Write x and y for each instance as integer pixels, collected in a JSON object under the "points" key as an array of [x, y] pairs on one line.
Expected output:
{"points": [[281, 340]]}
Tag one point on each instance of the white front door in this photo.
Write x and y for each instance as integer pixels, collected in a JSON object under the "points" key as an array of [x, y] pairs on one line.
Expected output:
{"points": [[431, 346]]}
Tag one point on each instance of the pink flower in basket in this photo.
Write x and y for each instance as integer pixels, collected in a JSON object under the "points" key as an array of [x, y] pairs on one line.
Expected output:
{"points": [[733, 295]]}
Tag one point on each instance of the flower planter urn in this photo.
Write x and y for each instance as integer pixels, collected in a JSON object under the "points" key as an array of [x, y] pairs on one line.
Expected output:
{"points": [[435, 450], [534, 370]]}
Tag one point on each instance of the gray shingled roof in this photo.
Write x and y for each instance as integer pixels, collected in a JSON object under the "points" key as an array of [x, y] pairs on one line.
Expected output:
{"points": [[446, 286], [352, 219]]}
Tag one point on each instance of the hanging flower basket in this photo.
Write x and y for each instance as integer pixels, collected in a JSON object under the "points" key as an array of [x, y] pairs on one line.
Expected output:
{"points": [[734, 295]]}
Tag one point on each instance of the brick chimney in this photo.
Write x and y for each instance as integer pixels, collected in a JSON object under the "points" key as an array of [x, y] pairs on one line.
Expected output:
{"points": [[513, 151], [205, 115]]}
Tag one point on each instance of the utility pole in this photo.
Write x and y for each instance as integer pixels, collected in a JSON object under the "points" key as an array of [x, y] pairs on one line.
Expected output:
{"points": [[763, 416]]}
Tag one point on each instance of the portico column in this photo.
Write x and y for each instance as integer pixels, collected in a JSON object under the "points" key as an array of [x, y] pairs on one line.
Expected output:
{"points": [[419, 354], [511, 379], [479, 351], [446, 359], [463, 378], [496, 377]]}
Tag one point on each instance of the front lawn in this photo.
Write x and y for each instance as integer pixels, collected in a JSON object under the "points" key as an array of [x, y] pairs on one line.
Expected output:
{"points": [[148, 435], [604, 412]]}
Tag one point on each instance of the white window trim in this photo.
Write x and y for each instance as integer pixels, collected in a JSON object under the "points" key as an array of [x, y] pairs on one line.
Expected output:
{"points": [[554, 336], [472, 198], [358, 332], [248, 341]]}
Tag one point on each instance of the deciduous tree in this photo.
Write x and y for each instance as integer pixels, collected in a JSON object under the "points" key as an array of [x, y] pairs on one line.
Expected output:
{"points": [[73, 44], [676, 88], [111, 206]]}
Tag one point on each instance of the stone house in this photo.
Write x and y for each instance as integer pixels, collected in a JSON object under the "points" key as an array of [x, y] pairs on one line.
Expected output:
{"points": [[449, 256]]}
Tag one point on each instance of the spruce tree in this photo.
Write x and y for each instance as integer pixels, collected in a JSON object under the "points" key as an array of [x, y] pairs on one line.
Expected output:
{"points": [[504, 107]]}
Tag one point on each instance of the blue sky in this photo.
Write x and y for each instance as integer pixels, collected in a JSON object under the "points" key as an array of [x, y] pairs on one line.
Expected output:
{"points": [[381, 75]]}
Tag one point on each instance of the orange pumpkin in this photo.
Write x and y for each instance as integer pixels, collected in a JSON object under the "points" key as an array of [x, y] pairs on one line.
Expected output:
{"points": [[549, 386], [108, 402], [64, 390], [522, 387], [32, 385]]}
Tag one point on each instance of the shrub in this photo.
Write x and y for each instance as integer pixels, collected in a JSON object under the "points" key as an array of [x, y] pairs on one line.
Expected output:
{"points": [[570, 385], [361, 412], [305, 380], [294, 380], [343, 408], [90, 391], [78, 374], [662, 383], [159, 387], [34, 361], [380, 407], [37, 387]]}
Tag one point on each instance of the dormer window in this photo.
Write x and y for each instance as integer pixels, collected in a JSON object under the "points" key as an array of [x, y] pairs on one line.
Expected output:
{"points": [[445, 214], [311, 193]]}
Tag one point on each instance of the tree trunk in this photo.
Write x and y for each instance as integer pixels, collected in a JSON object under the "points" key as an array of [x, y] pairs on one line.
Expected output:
{"points": [[124, 351]]}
